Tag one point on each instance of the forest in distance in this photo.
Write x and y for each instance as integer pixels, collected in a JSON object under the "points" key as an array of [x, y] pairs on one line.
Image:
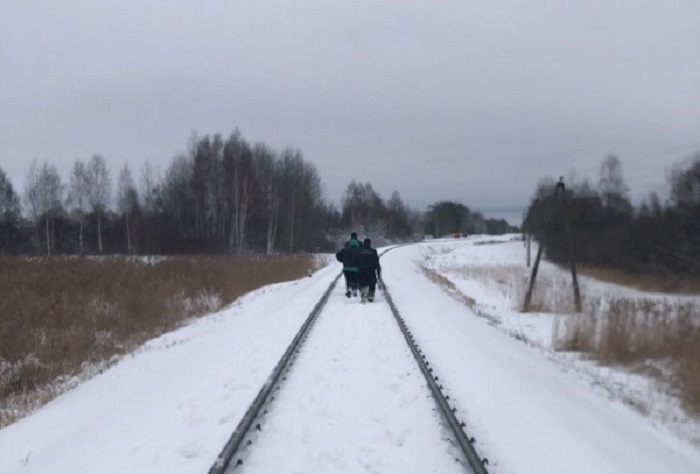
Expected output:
{"points": [[224, 196]]}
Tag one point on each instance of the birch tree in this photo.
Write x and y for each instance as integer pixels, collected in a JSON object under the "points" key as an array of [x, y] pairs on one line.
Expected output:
{"points": [[299, 198], [240, 182], [31, 192], [52, 194], [78, 198], [264, 163], [44, 194], [127, 203], [99, 192]]}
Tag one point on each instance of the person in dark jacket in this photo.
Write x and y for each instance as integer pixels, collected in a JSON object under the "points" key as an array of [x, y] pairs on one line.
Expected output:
{"points": [[348, 257], [368, 270]]}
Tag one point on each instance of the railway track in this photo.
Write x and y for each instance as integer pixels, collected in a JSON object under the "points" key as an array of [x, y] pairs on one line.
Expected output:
{"points": [[231, 456]]}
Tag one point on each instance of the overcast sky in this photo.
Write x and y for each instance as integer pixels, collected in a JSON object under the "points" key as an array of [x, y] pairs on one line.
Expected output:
{"points": [[466, 100]]}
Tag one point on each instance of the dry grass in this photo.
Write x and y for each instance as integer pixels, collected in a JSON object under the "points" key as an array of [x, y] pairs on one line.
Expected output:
{"points": [[634, 332], [61, 318], [448, 287], [551, 295], [659, 337], [644, 281]]}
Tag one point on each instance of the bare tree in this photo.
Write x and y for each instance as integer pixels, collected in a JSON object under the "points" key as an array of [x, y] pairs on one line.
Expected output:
{"points": [[217, 189], [178, 197], [363, 208], [264, 165], [78, 197], [290, 176], [53, 190], [150, 178], [398, 223], [299, 197], [612, 188], [127, 202], [99, 192], [9, 211], [31, 192], [240, 182], [44, 194], [203, 166], [310, 207], [9, 203], [685, 185]]}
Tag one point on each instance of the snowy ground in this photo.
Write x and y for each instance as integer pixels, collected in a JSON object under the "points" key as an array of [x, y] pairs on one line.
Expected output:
{"points": [[498, 287], [354, 401]]}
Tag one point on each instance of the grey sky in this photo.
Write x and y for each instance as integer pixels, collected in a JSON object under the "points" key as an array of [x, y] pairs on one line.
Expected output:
{"points": [[466, 100]]}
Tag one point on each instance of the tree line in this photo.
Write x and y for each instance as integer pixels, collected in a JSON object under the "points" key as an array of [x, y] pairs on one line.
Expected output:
{"points": [[609, 231], [224, 195]]}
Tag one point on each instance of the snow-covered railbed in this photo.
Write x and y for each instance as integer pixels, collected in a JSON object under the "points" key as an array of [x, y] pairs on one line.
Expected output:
{"points": [[171, 406], [526, 413], [355, 401], [355, 392]]}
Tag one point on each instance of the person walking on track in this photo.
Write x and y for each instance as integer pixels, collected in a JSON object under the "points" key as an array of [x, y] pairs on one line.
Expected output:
{"points": [[368, 270], [348, 257]]}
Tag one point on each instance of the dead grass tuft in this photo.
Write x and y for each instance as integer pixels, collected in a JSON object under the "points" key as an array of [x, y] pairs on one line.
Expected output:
{"points": [[552, 294], [448, 287], [575, 337], [633, 332], [644, 281], [62, 318], [655, 336]]}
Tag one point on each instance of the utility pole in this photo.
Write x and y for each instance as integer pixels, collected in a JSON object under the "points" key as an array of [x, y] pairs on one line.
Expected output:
{"points": [[561, 192], [561, 202], [529, 245]]}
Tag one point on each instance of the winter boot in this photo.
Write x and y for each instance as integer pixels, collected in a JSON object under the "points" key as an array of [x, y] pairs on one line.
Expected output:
{"points": [[364, 292]]}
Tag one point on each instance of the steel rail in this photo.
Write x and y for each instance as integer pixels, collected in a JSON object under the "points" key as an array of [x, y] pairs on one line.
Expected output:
{"points": [[466, 443], [232, 445]]}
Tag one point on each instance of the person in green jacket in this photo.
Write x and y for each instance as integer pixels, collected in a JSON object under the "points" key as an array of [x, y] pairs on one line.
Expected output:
{"points": [[348, 257]]}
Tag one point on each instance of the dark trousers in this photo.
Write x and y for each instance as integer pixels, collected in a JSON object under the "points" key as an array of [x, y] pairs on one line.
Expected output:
{"points": [[350, 279], [367, 279]]}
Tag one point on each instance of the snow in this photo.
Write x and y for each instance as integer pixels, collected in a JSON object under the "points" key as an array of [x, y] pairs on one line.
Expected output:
{"points": [[499, 296], [355, 401], [344, 404]]}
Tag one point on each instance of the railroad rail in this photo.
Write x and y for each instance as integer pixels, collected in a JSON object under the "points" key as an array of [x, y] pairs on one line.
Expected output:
{"points": [[225, 461]]}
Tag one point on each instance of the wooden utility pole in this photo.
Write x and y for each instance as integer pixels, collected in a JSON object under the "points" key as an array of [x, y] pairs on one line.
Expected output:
{"points": [[533, 276], [561, 190], [561, 202], [529, 245]]}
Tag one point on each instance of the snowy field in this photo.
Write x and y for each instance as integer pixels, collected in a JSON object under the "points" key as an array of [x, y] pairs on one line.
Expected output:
{"points": [[354, 401], [491, 273]]}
